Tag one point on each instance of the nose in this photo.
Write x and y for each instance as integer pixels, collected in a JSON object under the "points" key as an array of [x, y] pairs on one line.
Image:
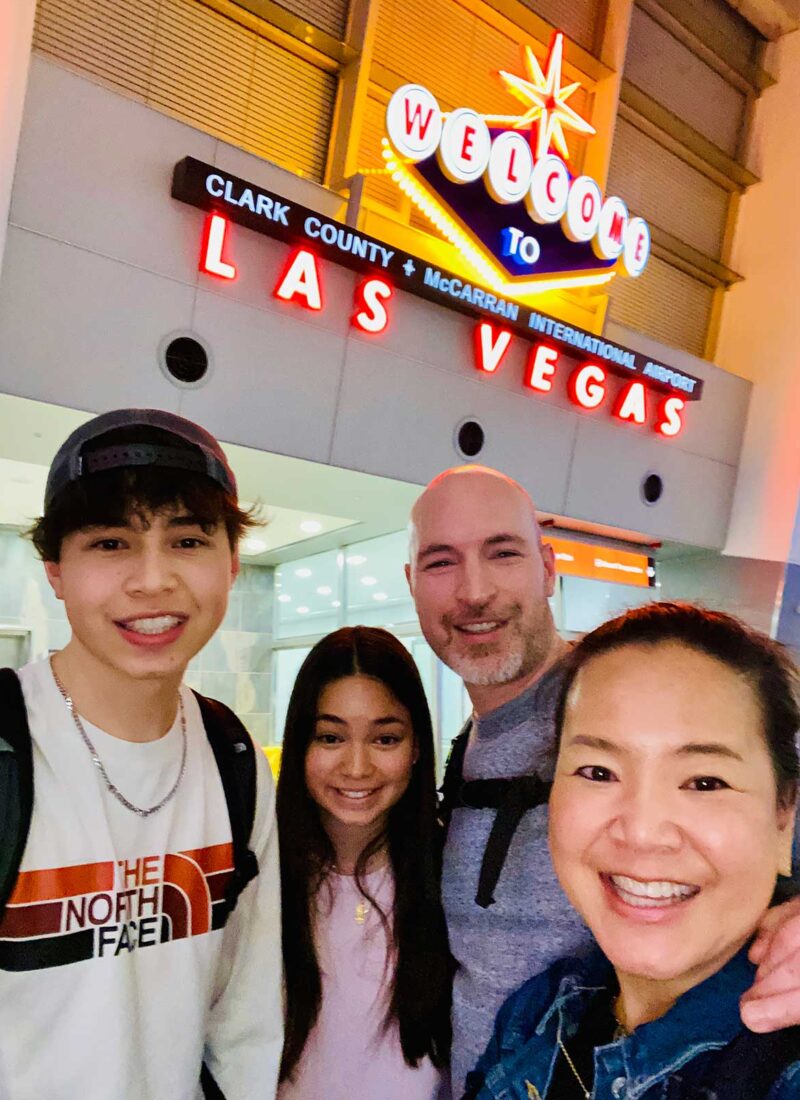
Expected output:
{"points": [[475, 582], [645, 821], [357, 763], [150, 572]]}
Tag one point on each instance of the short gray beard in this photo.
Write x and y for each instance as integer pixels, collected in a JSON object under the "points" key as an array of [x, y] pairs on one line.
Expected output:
{"points": [[482, 672]]}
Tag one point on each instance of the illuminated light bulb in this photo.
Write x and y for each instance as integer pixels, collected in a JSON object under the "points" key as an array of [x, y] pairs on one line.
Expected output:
{"points": [[369, 581], [311, 526], [302, 573], [284, 598]]}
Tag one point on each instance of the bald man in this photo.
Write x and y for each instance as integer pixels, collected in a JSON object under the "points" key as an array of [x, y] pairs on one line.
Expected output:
{"points": [[481, 577]]}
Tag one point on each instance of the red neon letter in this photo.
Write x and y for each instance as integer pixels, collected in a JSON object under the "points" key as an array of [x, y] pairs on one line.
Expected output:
{"points": [[587, 386], [301, 281], [466, 144], [211, 260], [616, 227], [630, 404], [669, 411], [416, 118], [490, 347], [543, 362], [371, 315]]}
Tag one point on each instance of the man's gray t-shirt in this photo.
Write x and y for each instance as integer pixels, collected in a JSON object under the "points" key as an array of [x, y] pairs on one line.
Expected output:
{"points": [[531, 923]]}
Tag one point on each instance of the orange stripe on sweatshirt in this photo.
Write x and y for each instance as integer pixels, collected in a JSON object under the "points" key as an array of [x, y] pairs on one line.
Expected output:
{"points": [[62, 882]]}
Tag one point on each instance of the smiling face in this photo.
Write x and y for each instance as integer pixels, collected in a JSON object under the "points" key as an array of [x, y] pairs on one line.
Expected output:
{"points": [[480, 579], [665, 828], [142, 599], [359, 759]]}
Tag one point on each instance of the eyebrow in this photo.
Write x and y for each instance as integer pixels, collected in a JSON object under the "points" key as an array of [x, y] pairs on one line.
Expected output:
{"points": [[693, 748], [446, 548], [389, 720]]}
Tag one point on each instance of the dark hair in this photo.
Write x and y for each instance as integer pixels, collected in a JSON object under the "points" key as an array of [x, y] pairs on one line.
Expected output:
{"points": [[420, 985], [110, 498], [762, 663]]}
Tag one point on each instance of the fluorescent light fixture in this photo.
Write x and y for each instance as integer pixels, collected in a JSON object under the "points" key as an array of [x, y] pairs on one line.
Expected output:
{"points": [[369, 581], [324, 590], [253, 546], [284, 598], [379, 596], [356, 559], [303, 573], [302, 611]]}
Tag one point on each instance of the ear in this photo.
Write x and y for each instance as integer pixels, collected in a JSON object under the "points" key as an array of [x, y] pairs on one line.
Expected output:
{"points": [[786, 825], [235, 564], [407, 569], [52, 571], [549, 562]]}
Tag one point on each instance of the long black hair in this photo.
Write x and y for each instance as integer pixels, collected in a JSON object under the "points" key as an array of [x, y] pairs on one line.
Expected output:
{"points": [[420, 981]]}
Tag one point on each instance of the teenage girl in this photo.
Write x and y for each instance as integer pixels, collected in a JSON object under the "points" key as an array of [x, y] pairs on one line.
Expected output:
{"points": [[365, 948]]}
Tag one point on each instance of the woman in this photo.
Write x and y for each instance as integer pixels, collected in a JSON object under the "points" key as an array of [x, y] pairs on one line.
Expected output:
{"points": [[671, 817], [364, 940]]}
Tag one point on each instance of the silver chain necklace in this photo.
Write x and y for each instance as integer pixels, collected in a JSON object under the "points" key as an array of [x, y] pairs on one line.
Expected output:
{"points": [[98, 763]]}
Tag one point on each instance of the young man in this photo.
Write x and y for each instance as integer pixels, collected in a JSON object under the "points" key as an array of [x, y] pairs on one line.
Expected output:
{"points": [[481, 577], [126, 962]]}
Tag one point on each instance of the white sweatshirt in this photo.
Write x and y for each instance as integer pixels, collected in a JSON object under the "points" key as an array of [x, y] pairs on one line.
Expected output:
{"points": [[115, 982]]}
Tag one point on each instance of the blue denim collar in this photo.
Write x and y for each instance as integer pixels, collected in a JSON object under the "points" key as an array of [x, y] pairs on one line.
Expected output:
{"points": [[704, 1018]]}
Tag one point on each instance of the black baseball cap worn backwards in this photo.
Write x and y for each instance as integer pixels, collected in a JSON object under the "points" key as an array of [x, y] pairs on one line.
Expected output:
{"points": [[203, 454]]}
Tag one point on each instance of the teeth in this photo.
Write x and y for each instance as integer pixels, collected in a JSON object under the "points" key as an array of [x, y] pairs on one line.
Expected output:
{"points": [[159, 625], [479, 628], [645, 893], [355, 795]]}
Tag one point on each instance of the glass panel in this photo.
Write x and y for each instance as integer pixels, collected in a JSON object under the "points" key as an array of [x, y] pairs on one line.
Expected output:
{"points": [[587, 603], [307, 596], [377, 593], [286, 663], [455, 708]]}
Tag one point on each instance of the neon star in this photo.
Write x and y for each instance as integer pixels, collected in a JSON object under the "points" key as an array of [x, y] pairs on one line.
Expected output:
{"points": [[546, 100]]}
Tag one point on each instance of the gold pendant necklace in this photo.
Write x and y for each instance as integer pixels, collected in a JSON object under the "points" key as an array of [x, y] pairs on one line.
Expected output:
{"points": [[363, 909]]}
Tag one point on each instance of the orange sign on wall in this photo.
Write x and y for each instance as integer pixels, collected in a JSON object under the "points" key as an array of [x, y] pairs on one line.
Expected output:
{"points": [[598, 563]]}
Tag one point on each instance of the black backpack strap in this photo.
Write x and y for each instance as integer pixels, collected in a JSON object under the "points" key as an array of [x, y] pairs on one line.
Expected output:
{"points": [[16, 781], [211, 1090], [510, 797], [745, 1069], [522, 793], [450, 789], [235, 754]]}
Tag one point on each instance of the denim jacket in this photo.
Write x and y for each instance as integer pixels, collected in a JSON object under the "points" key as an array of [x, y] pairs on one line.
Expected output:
{"points": [[520, 1058]]}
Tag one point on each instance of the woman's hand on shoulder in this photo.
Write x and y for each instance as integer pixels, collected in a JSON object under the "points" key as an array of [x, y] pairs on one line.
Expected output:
{"points": [[773, 1001]]}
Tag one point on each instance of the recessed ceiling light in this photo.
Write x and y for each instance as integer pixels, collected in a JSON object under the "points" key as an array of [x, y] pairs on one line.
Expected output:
{"points": [[369, 581], [302, 611], [311, 526], [302, 573], [324, 590], [284, 598], [336, 603], [379, 596], [355, 559], [253, 546]]}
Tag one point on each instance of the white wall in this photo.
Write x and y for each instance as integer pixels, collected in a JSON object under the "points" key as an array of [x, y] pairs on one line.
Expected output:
{"points": [[16, 34], [760, 336]]}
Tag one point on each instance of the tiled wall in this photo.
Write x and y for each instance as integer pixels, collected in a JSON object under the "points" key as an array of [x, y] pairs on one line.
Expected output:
{"points": [[234, 667]]}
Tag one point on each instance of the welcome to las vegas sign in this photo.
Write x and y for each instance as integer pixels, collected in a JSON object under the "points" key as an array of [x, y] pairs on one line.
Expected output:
{"points": [[499, 187]]}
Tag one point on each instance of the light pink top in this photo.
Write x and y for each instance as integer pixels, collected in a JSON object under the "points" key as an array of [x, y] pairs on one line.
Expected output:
{"points": [[349, 1054]]}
